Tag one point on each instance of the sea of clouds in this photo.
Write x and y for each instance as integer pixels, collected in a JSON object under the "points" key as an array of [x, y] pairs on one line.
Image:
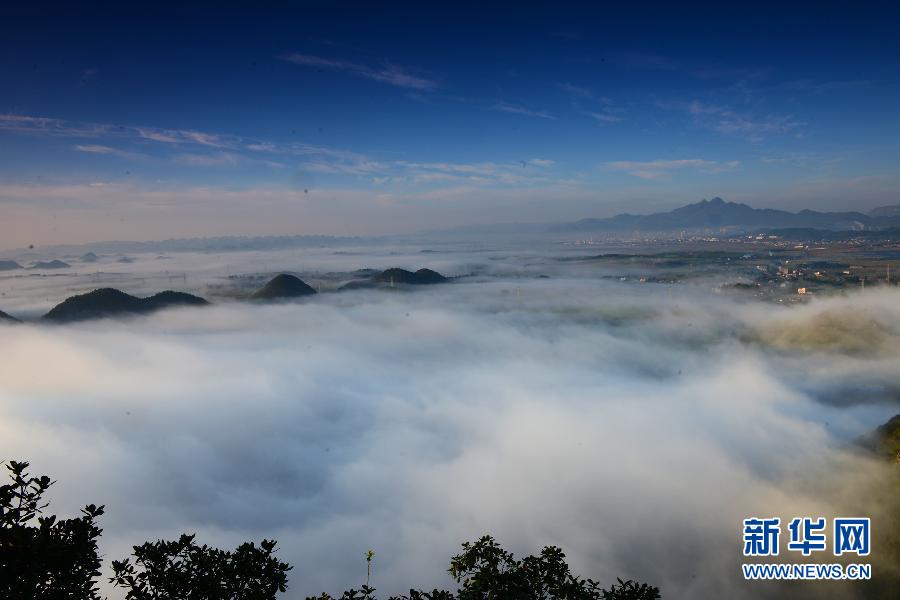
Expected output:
{"points": [[634, 425]]}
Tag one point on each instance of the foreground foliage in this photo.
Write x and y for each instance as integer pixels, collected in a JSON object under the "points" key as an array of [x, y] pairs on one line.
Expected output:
{"points": [[45, 558], [485, 571], [182, 569]]}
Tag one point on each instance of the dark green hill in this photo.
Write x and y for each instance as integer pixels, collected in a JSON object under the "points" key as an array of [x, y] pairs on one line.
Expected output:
{"points": [[359, 284], [53, 264], [169, 298], [396, 276], [283, 286], [887, 438], [420, 277], [5, 318], [109, 302]]}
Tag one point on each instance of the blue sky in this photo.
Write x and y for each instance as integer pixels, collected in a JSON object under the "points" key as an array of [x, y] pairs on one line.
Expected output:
{"points": [[349, 118]]}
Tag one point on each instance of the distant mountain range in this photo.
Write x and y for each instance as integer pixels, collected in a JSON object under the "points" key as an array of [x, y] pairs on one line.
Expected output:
{"points": [[706, 215], [885, 211], [719, 214]]}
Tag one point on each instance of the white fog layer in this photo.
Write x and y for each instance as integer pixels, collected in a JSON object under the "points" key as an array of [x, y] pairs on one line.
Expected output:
{"points": [[634, 425]]}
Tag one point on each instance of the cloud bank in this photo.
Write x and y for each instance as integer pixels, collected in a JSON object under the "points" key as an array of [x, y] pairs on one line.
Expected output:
{"points": [[632, 426], [390, 73]]}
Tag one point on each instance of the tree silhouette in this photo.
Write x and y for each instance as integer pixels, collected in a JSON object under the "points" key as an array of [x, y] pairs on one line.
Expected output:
{"points": [[52, 558], [181, 569], [485, 571], [57, 559]]}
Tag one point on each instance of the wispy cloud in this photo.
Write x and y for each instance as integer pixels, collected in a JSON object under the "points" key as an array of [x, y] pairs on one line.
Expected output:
{"points": [[390, 73], [521, 110], [819, 87], [88, 75], [262, 147], [576, 91], [541, 162], [191, 148], [108, 150], [484, 173], [49, 126], [604, 117], [64, 128], [194, 148], [362, 167], [186, 136], [662, 169], [729, 121], [220, 159], [692, 68], [601, 109], [812, 161]]}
